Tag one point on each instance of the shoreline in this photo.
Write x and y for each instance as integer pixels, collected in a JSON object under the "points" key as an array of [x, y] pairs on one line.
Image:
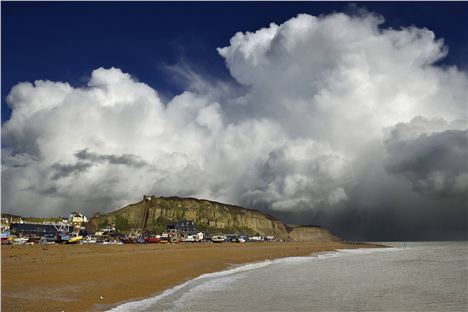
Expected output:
{"points": [[74, 277], [156, 296]]}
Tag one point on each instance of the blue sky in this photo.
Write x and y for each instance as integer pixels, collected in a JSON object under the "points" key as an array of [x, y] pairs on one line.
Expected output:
{"points": [[66, 41]]}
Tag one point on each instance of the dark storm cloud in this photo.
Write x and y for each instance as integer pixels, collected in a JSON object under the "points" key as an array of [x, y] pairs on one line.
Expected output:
{"points": [[63, 171], [88, 159], [126, 159], [436, 164]]}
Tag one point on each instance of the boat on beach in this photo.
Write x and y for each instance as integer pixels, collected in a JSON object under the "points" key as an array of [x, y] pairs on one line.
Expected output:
{"points": [[74, 239], [152, 240], [218, 239], [5, 236]]}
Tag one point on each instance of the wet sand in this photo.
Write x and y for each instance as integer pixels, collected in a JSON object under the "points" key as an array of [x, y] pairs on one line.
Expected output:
{"points": [[74, 277]]}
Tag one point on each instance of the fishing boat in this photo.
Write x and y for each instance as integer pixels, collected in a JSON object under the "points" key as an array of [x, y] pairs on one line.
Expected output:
{"points": [[152, 240], [5, 235], [218, 239], [75, 239]]}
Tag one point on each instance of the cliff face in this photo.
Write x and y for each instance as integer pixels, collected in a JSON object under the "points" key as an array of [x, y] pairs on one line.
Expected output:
{"points": [[311, 233], [208, 215]]}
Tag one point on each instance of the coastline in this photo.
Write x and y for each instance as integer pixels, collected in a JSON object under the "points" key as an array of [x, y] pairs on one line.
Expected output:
{"points": [[74, 277]]}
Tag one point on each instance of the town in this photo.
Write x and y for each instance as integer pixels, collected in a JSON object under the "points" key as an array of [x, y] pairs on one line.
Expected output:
{"points": [[72, 230]]}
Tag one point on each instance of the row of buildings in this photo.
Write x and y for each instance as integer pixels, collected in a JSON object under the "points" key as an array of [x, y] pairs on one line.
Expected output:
{"points": [[16, 227], [72, 230]]}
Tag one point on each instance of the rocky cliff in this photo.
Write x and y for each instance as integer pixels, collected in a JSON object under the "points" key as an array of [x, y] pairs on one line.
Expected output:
{"points": [[299, 233], [157, 212], [208, 215]]}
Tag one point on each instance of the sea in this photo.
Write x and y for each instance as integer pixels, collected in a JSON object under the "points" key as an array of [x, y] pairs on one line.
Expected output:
{"points": [[412, 276]]}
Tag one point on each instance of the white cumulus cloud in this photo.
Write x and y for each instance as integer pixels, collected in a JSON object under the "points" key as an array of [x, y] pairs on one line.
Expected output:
{"points": [[328, 105]]}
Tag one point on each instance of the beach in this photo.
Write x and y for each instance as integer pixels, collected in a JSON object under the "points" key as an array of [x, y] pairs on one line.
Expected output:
{"points": [[75, 277]]}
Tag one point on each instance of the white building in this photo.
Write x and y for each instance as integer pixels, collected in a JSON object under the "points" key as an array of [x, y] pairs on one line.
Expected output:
{"points": [[77, 218]]}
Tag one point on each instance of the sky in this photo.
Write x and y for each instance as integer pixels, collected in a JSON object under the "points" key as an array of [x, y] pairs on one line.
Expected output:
{"points": [[351, 116]]}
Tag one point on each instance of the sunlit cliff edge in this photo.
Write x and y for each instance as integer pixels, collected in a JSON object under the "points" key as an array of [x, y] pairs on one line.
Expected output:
{"points": [[210, 216]]}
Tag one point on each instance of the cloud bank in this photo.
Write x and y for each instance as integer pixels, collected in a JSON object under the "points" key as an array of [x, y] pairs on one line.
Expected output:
{"points": [[333, 120]]}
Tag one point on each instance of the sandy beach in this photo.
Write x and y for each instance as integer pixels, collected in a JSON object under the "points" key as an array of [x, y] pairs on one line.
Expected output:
{"points": [[74, 277]]}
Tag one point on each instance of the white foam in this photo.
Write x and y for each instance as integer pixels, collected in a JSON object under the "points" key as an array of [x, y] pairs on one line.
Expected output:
{"points": [[368, 250], [145, 303], [208, 286], [332, 254]]}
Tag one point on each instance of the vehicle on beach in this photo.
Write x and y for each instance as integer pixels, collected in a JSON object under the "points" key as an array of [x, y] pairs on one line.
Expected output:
{"points": [[44, 240], [139, 240], [230, 238], [190, 239], [63, 237], [193, 238], [89, 240], [133, 240], [218, 239], [164, 239], [47, 239], [256, 239], [19, 241]]}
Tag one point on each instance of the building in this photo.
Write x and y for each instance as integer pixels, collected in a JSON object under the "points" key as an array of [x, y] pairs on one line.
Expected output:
{"points": [[185, 226], [39, 229], [5, 224], [77, 218]]}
